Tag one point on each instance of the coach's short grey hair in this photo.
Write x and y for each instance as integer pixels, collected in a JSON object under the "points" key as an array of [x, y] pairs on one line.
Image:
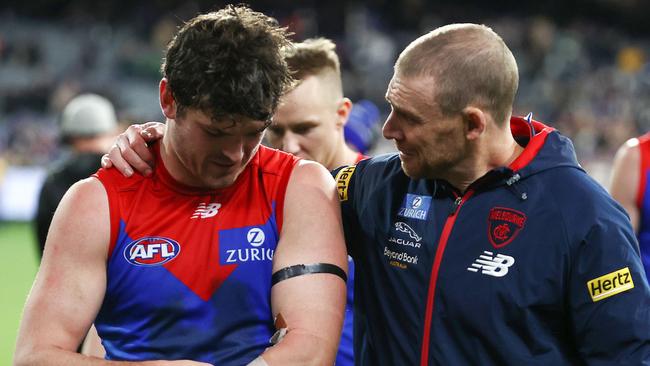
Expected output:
{"points": [[469, 63]]}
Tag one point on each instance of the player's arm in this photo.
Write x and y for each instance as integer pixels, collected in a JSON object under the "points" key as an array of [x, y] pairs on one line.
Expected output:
{"points": [[311, 305], [624, 183], [71, 282], [130, 149]]}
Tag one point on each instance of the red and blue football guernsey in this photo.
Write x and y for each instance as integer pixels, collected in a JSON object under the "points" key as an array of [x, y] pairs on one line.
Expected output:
{"points": [[189, 270], [643, 202]]}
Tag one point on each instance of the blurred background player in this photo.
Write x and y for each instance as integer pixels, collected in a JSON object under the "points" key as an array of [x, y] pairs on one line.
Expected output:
{"points": [[88, 126], [363, 128], [629, 186]]}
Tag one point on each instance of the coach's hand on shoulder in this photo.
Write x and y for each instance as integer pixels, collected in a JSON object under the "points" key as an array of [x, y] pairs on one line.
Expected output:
{"points": [[130, 150]]}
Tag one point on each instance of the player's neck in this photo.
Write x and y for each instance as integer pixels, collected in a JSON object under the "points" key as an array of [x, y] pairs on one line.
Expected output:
{"points": [[344, 156], [178, 172]]}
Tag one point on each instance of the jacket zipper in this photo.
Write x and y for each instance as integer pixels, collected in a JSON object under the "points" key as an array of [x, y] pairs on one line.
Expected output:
{"points": [[442, 243]]}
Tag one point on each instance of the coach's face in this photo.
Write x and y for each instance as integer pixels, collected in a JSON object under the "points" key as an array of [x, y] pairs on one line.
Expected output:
{"points": [[430, 144]]}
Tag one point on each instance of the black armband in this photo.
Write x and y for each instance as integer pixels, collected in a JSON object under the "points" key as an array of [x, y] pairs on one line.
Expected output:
{"points": [[303, 269]]}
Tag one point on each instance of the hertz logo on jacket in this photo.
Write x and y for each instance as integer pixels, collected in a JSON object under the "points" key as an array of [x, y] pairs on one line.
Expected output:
{"points": [[610, 284], [343, 181]]}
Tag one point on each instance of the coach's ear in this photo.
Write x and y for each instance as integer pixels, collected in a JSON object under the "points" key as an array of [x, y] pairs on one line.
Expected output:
{"points": [[167, 102], [475, 121]]}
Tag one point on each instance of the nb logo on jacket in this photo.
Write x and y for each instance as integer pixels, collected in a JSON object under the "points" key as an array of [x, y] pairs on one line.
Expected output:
{"points": [[491, 265]]}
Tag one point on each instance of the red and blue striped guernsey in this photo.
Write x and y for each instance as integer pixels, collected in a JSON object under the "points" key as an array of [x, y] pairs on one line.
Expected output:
{"points": [[189, 270]]}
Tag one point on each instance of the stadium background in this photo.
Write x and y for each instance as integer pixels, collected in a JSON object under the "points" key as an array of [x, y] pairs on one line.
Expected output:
{"points": [[583, 67]]}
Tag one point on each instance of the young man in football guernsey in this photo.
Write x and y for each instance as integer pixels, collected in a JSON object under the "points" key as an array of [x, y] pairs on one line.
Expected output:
{"points": [[629, 186], [310, 119], [308, 123], [178, 265], [483, 242]]}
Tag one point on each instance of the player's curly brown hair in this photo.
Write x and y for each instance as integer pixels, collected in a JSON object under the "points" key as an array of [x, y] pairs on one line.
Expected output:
{"points": [[228, 63]]}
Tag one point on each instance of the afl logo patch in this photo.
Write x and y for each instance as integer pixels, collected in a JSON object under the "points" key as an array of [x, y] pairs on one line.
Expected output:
{"points": [[151, 251], [503, 225]]}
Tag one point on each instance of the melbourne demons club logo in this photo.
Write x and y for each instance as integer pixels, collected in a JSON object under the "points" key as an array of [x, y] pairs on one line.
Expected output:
{"points": [[503, 225], [151, 251]]}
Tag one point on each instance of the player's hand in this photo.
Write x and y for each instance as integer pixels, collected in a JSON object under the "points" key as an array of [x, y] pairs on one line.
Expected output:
{"points": [[130, 150]]}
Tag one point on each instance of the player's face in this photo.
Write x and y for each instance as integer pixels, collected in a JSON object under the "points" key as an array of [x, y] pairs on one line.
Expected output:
{"points": [[307, 124], [213, 153], [429, 143]]}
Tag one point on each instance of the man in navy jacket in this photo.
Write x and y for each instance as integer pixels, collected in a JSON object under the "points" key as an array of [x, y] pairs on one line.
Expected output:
{"points": [[483, 242]]}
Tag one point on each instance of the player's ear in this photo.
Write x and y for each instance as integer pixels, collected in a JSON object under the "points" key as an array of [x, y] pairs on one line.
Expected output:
{"points": [[167, 102], [475, 121], [343, 111]]}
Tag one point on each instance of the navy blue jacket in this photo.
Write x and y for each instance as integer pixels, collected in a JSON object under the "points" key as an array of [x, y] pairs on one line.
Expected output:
{"points": [[535, 264]]}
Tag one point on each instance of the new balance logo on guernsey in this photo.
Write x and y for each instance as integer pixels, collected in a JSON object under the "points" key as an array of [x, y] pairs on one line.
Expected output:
{"points": [[491, 265], [204, 211]]}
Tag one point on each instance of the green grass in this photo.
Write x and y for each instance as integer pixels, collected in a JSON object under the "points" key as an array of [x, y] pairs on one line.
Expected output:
{"points": [[18, 266]]}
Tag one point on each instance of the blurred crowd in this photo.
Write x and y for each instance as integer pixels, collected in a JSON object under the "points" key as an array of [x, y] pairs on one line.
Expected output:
{"points": [[589, 80]]}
